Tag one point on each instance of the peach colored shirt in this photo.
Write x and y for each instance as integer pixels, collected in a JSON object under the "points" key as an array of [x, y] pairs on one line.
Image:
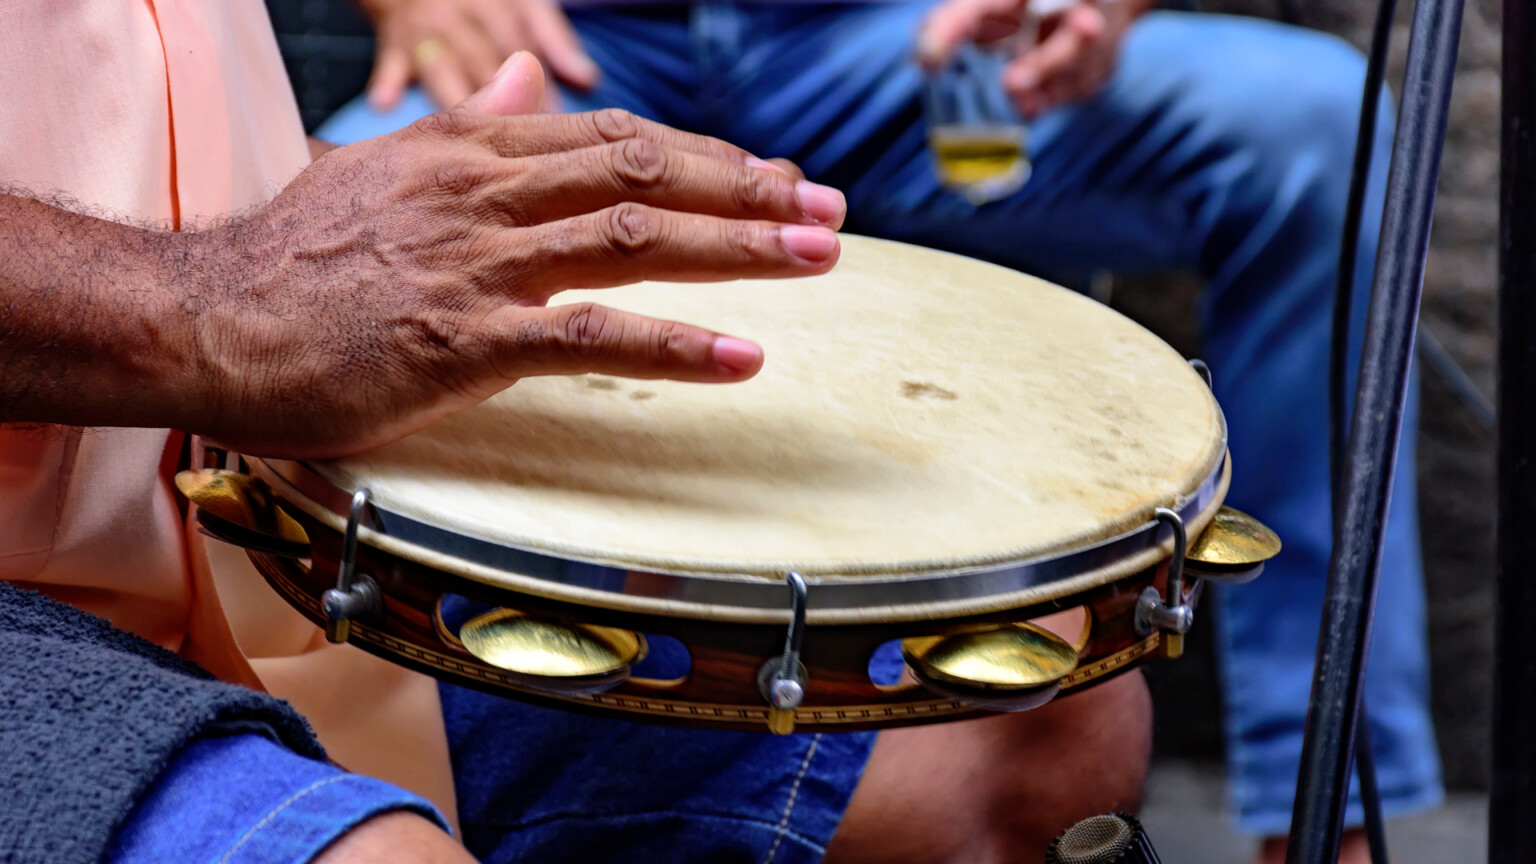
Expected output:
{"points": [[173, 112]]}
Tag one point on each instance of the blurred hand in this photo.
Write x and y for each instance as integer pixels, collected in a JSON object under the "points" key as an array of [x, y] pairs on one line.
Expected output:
{"points": [[1069, 59], [454, 46], [403, 278]]}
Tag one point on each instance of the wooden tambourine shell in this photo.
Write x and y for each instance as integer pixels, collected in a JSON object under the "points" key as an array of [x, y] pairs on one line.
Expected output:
{"points": [[944, 449]]}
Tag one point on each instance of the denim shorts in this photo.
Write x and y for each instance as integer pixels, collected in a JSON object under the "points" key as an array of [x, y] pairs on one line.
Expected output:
{"points": [[243, 799], [542, 785], [533, 784]]}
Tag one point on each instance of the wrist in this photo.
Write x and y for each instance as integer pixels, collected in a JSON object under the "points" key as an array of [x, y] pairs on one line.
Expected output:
{"points": [[156, 359], [218, 288]]}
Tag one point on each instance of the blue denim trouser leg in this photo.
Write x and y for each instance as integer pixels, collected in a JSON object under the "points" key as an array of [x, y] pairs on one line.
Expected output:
{"points": [[1221, 145], [243, 799], [536, 784]]}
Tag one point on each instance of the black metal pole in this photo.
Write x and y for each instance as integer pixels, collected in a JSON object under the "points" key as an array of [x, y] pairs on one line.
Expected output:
{"points": [[1370, 793], [1512, 805], [1323, 785], [1338, 359], [1354, 214]]}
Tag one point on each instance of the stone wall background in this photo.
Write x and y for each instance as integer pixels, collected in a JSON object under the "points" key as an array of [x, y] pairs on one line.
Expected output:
{"points": [[327, 48], [1456, 463]]}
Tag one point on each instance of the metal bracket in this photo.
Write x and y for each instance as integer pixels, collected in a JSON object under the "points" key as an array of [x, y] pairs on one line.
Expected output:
{"points": [[1169, 616], [355, 597], [783, 679]]}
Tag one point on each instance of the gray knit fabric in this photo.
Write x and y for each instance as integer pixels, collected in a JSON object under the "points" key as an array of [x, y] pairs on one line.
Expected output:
{"points": [[90, 716]]}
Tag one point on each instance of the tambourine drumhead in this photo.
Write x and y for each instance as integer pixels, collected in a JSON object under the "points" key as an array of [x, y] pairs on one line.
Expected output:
{"points": [[918, 412]]}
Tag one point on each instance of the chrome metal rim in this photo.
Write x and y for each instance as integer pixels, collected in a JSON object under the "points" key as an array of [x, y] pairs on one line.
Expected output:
{"points": [[430, 545]]}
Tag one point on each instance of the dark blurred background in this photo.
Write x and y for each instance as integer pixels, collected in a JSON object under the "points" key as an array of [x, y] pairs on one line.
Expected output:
{"points": [[328, 48]]}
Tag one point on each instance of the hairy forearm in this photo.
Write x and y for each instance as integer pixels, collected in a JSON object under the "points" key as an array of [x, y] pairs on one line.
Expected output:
{"points": [[96, 319]]}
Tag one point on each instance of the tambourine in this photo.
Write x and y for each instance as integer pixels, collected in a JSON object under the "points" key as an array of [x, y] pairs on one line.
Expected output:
{"points": [[1017, 486]]}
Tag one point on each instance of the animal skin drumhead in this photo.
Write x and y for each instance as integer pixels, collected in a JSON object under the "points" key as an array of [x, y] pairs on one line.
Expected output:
{"points": [[917, 412]]}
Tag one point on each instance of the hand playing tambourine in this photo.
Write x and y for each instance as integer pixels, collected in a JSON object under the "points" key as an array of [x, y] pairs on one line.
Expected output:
{"points": [[1067, 59], [409, 276], [453, 47]]}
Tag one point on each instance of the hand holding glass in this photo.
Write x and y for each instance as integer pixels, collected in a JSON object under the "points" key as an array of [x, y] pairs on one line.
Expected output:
{"points": [[978, 139]]}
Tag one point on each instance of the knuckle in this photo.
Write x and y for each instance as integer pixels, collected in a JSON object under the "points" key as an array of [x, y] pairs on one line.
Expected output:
{"points": [[759, 192], [458, 179], [444, 335], [667, 341], [747, 242], [584, 332], [640, 164], [615, 124], [445, 124], [633, 230]]}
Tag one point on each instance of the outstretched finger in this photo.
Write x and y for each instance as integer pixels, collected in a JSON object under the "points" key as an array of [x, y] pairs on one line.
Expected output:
{"points": [[584, 337], [787, 166], [551, 133], [633, 242], [477, 53], [556, 41], [445, 79], [391, 73], [569, 184]]}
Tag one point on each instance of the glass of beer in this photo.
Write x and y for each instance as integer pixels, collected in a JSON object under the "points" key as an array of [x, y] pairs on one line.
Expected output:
{"points": [[979, 142]]}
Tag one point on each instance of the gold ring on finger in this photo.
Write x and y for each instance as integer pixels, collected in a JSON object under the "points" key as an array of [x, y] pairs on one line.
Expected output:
{"points": [[427, 51]]}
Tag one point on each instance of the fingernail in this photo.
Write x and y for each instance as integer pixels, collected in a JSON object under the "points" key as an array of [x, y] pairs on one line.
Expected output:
{"points": [[809, 242], [822, 203], [508, 64], [1026, 79], [754, 162], [736, 356]]}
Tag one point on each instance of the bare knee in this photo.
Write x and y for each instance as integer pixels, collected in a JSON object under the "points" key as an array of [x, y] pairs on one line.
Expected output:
{"points": [[999, 789], [1090, 750]]}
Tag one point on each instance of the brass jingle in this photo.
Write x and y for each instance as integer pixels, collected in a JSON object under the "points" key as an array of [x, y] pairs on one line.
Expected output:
{"points": [[566, 655], [1022, 700], [245, 502], [993, 662], [1233, 541]]}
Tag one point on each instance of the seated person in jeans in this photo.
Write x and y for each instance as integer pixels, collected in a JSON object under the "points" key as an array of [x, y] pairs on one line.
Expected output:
{"points": [[1159, 140], [170, 259]]}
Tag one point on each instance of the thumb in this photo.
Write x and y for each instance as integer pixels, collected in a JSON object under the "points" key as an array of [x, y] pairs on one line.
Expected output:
{"points": [[517, 88], [956, 21]]}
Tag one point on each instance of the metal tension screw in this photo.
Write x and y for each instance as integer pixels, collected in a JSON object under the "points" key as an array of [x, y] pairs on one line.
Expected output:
{"points": [[786, 695], [782, 679], [355, 596], [1171, 617]]}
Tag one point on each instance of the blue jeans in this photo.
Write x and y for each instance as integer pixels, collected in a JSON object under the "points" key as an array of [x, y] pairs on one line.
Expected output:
{"points": [[1220, 146], [536, 784], [243, 799]]}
